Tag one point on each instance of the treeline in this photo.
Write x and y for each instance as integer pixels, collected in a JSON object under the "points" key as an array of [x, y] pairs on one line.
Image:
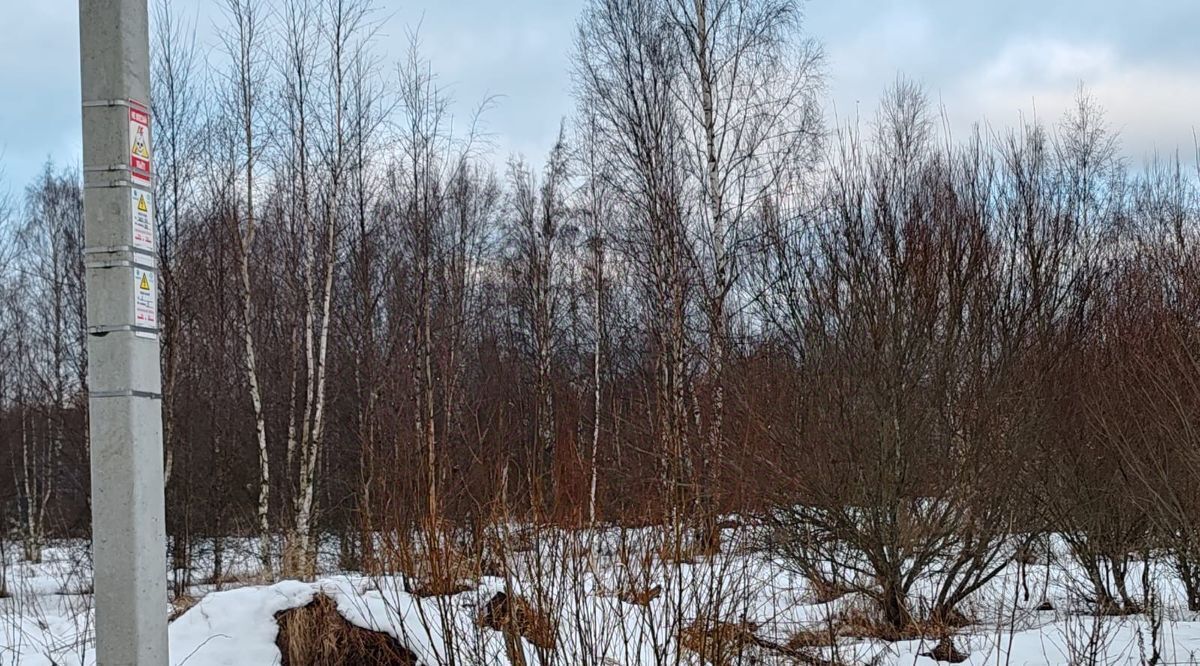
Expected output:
{"points": [[910, 353]]}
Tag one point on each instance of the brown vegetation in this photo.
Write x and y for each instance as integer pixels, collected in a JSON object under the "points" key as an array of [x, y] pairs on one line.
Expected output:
{"points": [[512, 615], [719, 643], [640, 596], [945, 651], [317, 635]]}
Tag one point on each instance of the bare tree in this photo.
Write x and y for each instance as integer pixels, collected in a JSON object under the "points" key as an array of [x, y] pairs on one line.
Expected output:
{"points": [[51, 241], [597, 210], [628, 73], [9, 359], [362, 319], [749, 84], [539, 211], [1070, 189], [318, 212], [176, 98], [1147, 417], [244, 41], [912, 365], [439, 205]]}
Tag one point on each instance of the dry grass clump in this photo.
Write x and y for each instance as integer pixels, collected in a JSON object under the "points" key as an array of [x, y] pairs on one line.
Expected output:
{"points": [[805, 639], [719, 643], [856, 625], [641, 596], [512, 615], [181, 604], [856, 621], [318, 635], [861, 622], [690, 548], [436, 567], [230, 579], [439, 587], [945, 651]]}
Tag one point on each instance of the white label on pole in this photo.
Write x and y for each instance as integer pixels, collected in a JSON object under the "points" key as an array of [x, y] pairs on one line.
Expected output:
{"points": [[145, 306], [142, 214], [140, 169]]}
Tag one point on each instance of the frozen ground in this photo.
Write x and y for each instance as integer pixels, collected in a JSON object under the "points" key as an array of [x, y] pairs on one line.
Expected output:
{"points": [[47, 617]]}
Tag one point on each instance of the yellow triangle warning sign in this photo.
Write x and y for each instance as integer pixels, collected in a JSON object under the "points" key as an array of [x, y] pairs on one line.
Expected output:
{"points": [[142, 207], [139, 144], [145, 285]]}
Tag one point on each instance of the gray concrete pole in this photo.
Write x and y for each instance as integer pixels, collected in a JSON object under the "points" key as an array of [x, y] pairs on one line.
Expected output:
{"points": [[124, 381]]}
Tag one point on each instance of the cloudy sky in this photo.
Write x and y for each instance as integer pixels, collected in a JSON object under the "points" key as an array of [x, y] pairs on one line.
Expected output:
{"points": [[989, 60]]}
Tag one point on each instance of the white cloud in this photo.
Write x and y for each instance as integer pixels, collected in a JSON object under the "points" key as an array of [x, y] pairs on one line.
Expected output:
{"points": [[1047, 61], [864, 61], [1154, 104]]}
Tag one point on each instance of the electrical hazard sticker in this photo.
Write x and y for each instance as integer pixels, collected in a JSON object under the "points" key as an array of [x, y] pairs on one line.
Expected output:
{"points": [[139, 143], [142, 217], [145, 305]]}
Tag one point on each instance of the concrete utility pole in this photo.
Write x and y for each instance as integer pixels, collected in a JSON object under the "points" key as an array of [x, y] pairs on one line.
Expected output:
{"points": [[124, 380]]}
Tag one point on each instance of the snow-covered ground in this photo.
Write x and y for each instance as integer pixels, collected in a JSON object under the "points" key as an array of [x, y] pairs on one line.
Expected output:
{"points": [[48, 617]]}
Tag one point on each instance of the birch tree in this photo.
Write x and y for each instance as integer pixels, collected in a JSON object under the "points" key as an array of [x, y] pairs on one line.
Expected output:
{"points": [[596, 210], [318, 210], [9, 329], [52, 354], [296, 197], [539, 210], [749, 83], [245, 43], [628, 73]]}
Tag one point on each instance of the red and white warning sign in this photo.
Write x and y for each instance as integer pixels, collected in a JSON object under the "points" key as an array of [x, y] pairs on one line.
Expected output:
{"points": [[145, 302], [139, 143]]}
